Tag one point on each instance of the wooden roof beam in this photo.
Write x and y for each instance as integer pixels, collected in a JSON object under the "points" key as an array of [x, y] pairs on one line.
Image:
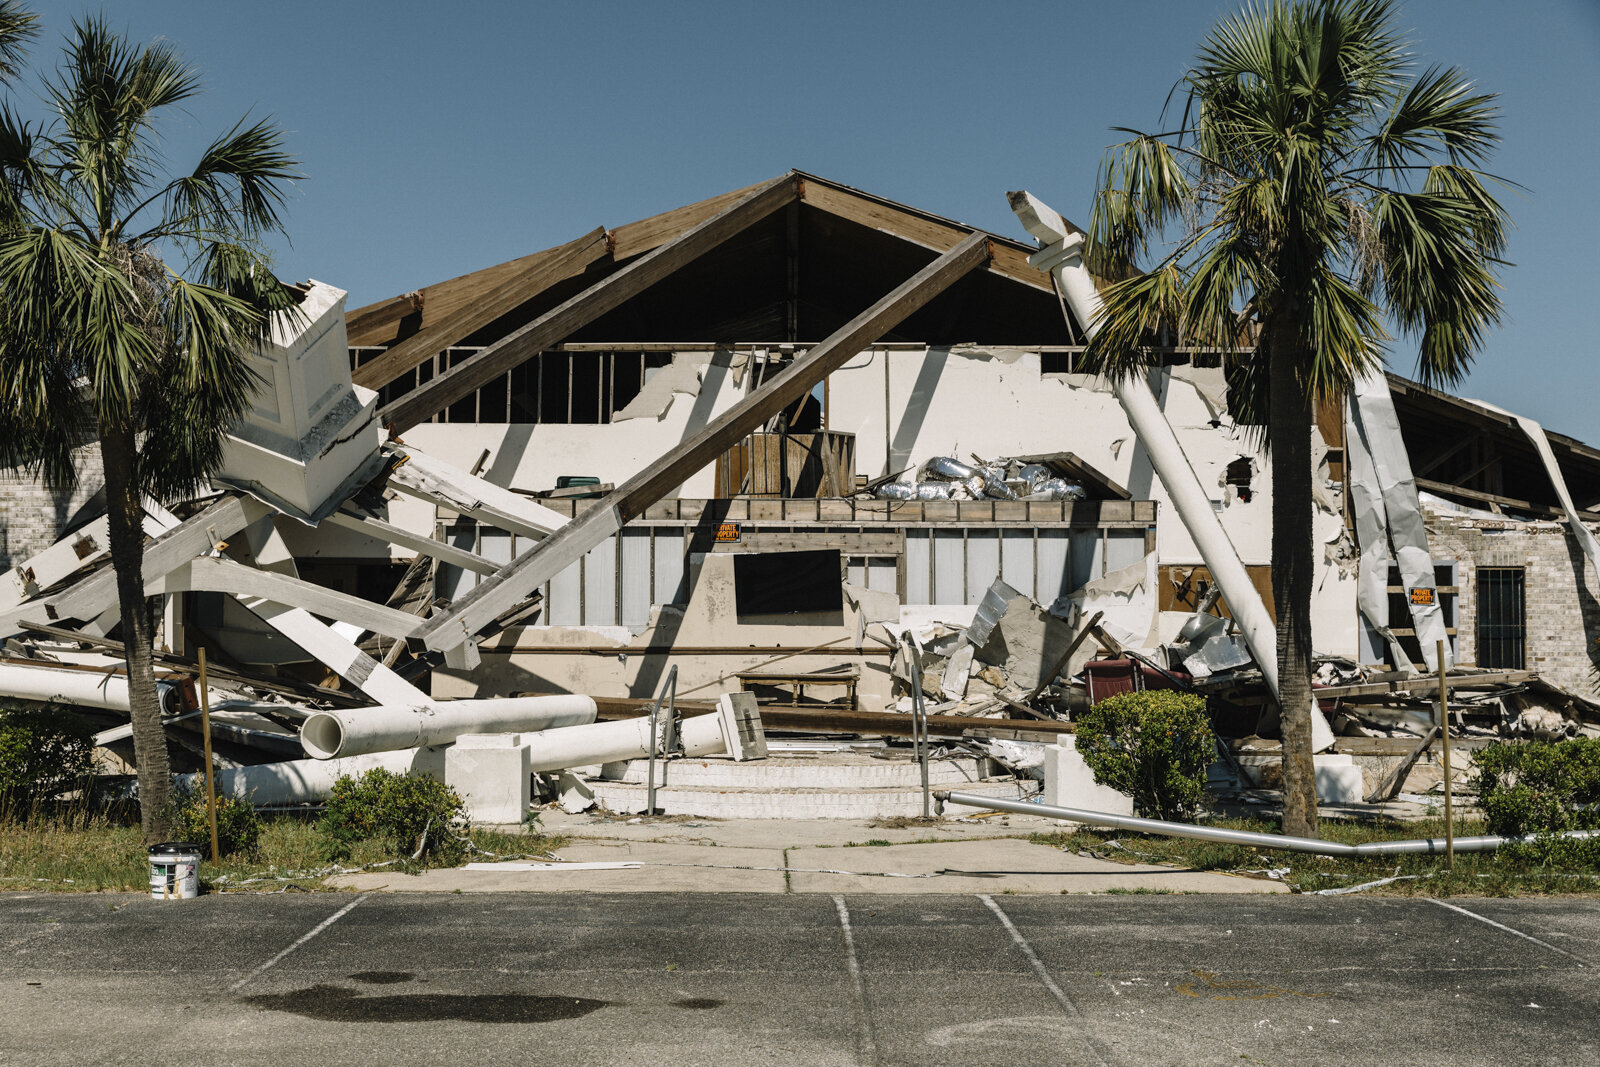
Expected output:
{"points": [[568, 261], [574, 314], [503, 592]]}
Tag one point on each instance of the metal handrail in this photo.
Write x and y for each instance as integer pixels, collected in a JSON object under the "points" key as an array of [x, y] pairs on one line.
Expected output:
{"points": [[668, 692], [919, 716], [1482, 843]]}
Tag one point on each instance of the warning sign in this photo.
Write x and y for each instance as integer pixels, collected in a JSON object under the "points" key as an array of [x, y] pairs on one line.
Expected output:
{"points": [[1422, 597], [727, 533]]}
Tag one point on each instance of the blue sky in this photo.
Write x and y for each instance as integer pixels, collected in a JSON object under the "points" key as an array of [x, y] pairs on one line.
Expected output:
{"points": [[436, 139]]}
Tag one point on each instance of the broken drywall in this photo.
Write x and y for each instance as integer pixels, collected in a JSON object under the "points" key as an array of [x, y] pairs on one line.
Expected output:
{"points": [[662, 384]]}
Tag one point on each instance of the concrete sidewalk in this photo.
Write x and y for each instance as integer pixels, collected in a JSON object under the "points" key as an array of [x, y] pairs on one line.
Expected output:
{"points": [[688, 855]]}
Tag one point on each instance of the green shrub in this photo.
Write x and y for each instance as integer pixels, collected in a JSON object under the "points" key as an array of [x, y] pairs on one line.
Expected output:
{"points": [[238, 824], [405, 814], [1543, 788], [44, 751], [1155, 746]]}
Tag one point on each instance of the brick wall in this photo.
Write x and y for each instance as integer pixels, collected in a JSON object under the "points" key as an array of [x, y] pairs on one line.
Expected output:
{"points": [[1562, 613], [32, 513]]}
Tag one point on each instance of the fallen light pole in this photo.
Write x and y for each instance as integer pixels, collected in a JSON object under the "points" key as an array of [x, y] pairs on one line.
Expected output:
{"points": [[343, 732], [80, 686], [309, 781], [626, 739], [1250, 838]]}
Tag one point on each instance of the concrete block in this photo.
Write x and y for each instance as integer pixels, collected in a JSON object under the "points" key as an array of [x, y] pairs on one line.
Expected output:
{"points": [[572, 794], [1339, 780], [491, 772], [1069, 783]]}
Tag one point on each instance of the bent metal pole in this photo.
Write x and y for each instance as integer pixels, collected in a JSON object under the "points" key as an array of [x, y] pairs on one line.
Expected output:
{"points": [[1061, 255], [1482, 843]]}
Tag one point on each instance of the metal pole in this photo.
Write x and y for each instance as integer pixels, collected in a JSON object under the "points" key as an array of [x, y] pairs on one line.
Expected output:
{"points": [[1444, 733], [650, 788], [666, 693], [211, 784], [1429, 845], [919, 718]]}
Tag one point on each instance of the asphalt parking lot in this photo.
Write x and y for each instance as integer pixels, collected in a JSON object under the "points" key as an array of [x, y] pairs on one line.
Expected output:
{"points": [[816, 979]]}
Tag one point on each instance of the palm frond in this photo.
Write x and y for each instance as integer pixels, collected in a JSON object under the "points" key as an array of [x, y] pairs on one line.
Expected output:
{"points": [[236, 185], [18, 26]]}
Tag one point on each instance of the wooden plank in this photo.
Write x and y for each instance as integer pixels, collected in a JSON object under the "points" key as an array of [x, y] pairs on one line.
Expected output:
{"points": [[377, 323], [446, 328], [937, 234], [381, 323], [1423, 684], [639, 237], [503, 591], [1386, 789], [1447, 489], [603, 296]]}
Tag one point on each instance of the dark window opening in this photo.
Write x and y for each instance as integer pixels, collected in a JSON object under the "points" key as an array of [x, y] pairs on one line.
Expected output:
{"points": [[1239, 474], [788, 583], [1502, 623]]}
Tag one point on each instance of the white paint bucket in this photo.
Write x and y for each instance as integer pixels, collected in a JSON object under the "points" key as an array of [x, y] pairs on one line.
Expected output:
{"points": [[174, 871]]}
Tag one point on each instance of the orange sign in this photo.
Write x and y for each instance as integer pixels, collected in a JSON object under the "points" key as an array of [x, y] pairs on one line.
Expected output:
{"points": [[1422, 597], [727, 533]]}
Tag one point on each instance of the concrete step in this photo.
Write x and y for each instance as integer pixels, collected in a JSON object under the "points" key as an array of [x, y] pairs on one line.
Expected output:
{"points": [[825, 771], [793, 803]]}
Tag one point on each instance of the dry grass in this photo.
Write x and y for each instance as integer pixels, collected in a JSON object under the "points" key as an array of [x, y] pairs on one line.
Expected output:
{"points": [[71, 849], [1474, 874]]}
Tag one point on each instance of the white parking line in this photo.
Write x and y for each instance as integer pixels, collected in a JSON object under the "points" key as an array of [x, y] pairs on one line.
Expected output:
{"points": [[869, 1043], [1507, 929], [1044, 976], [307, 936]]}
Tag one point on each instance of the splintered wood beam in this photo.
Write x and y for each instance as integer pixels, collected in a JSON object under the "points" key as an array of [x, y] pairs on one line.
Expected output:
{"points": [[603, 296], [96, 594], [336, 652], [504, 591], [438, 333], [428, 478], [421, 543], [377, 323], [211, 574]]}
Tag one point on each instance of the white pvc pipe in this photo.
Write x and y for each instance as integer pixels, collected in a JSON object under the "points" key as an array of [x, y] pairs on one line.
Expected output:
{"points": [[327, 735], [307, 781], [1062, 256], [1253, 839], [611, 742], [85, 689]]}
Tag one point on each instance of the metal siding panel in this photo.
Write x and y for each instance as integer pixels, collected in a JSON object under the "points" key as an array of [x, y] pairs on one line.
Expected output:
{"points": [[983, 562], [635, 578], [1016, 560], [917, 587], [949, 568]]}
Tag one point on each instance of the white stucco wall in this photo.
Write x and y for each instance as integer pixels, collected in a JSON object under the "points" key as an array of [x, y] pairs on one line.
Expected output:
{"points": [[908, 405]]}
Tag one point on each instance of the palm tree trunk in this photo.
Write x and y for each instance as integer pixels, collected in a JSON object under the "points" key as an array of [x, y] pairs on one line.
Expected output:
{"points": [[1293, 560], [125, 509]]}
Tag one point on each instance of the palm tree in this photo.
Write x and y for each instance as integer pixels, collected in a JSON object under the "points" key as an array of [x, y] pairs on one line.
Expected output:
{"points": [[97, 329], [1315, 186]]}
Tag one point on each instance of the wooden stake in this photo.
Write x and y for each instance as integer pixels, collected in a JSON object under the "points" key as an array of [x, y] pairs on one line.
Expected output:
{"points": [[1444, 733], [211, 785]]}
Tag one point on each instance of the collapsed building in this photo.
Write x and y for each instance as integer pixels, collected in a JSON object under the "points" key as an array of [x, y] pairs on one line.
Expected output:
{"points": [[802, 442]]}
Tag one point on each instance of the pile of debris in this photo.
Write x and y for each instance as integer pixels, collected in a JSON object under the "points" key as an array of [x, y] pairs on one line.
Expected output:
{"points": [[947, 478]]}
